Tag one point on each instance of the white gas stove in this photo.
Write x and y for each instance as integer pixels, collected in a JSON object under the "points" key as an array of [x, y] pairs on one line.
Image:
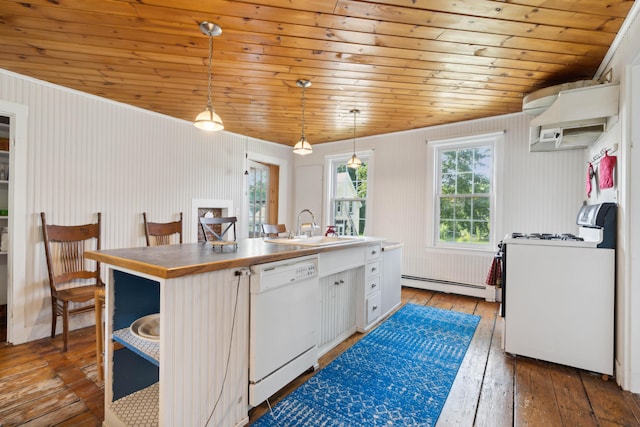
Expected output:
{"points": [[597, 229], [558, 292]]}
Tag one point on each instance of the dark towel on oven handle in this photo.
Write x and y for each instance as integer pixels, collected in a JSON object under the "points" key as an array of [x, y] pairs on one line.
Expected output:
{"points": [[494, 277]]}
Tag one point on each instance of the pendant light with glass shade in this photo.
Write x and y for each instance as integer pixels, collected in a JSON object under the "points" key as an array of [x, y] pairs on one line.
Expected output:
{"points": [[208, 120], [303, 147], [354, 162]]}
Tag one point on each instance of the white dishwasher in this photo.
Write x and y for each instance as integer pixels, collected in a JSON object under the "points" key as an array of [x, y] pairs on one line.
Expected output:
{"points": [[284, 317]]}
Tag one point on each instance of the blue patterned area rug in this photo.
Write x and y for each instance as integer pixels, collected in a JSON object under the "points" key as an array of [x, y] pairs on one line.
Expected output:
{"points": [[399, 374]]}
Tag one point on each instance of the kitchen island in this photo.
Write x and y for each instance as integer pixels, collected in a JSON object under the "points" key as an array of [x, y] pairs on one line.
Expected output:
{"points": [[197, 373]]}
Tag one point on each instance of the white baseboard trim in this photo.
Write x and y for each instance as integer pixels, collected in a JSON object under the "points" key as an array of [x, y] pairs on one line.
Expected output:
{"points": [[447, 287]]}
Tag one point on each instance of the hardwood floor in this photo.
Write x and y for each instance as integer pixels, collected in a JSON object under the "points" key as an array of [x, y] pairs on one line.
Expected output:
{"points": [[42, 386]]}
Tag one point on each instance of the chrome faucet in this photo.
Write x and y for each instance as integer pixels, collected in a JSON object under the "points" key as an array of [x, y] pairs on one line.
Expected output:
{"points": [[313, 225]]}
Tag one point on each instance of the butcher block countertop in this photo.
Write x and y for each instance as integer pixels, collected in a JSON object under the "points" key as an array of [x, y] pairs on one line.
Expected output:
{"points": [[172, 261]]}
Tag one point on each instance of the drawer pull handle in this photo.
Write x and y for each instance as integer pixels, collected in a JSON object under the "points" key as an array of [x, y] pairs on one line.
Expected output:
{"points": [[374, 252], [374, 308], [373, 285], [338, 282], [373, 269]]}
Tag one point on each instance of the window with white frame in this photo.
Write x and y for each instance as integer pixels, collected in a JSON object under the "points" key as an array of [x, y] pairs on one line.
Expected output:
{"points": [[464, 195], [348, 196]]}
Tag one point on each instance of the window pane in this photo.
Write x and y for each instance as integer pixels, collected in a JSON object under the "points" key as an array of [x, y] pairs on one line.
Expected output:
{"points": [[464, 183], [348, 211], [463, 231], [448, 162], [362, 211], [464, 173], [481, 184], [465, 160], [481, 232], [463, 208], [482, 170], [481, 208], [464, 219], [258, 203], [447, 208], [349, 217], [447, 231], [448, 183]]}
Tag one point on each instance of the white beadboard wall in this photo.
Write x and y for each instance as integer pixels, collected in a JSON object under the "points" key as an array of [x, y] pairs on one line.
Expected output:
{"points": [[87, 155], [536, 192]]}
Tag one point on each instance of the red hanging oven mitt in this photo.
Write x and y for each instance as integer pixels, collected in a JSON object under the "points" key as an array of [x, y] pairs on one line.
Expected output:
{"points": [[607, 163], [590, 174]]}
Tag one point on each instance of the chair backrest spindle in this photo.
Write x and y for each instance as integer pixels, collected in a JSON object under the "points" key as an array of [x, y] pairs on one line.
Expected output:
{"points": [[65, 247]]}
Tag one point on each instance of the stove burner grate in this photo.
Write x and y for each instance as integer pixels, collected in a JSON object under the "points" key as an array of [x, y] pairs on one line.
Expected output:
{"points": [[547, 236]]}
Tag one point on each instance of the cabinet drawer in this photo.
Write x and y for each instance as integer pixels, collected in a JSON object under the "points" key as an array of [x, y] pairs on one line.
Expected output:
{"points": [[373, 252], [373, 268], [372, 285], [373, 307], [338, 261]]}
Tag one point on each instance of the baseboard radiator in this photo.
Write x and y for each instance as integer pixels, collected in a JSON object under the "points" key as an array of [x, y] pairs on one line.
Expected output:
{"points": [[443, 286]]}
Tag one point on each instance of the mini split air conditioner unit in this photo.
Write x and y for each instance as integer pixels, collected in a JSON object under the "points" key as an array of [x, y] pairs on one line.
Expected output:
{"points": [[570, 116]]}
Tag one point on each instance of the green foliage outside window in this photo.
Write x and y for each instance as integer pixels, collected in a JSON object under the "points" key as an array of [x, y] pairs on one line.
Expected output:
{"points": [[465, 187]]}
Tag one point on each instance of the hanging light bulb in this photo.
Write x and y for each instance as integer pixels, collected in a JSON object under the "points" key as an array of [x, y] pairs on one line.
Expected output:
{"points": [[303, 147], [208, 120], [354, 162]]}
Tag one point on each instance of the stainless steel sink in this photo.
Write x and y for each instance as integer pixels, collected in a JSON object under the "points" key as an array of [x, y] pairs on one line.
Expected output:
{"points": [[314, 241]]}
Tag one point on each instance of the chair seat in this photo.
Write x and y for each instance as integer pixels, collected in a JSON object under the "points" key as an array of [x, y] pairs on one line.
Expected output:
{"points": [[79, 294], [223, 243]]}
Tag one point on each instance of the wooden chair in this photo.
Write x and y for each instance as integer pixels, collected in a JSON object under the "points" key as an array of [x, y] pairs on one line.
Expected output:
{"points": [[216, 229], [71, 280], [273, 230], [162, 233]]}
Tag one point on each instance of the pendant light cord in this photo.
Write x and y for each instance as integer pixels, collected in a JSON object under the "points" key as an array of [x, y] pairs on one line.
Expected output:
{"points": [[303, 136], [210, 65], [354, 130], [302, 147]]}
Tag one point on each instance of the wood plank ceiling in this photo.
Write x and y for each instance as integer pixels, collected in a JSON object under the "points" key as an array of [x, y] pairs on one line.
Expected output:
{"points": [[404, 63]]}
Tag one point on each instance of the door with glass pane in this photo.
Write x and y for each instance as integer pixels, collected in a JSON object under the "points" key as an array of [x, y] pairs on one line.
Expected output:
{"points": [[258, 192]]}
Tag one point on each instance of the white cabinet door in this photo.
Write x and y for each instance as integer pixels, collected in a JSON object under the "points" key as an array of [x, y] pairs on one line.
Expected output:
{"points": [[338, 309], [391, 282]]}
